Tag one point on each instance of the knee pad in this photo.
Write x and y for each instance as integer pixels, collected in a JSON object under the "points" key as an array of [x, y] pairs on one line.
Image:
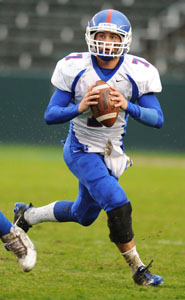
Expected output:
{"points": [[120, 224]]}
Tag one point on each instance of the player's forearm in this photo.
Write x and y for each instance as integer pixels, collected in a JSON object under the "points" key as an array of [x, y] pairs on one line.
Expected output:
{"points": [[148, 116], [58, 115]]}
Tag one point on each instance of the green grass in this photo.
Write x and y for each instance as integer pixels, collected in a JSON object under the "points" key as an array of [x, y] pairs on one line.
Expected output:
{"points": [[76, 262]]}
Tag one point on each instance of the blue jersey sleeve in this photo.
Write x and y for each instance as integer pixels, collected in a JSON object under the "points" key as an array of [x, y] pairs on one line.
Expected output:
{"points": [[148, 111], [60, 108]]}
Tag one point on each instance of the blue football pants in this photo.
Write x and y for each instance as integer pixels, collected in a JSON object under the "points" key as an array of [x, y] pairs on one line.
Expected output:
{"points": [[97, 188], [5, 225]]}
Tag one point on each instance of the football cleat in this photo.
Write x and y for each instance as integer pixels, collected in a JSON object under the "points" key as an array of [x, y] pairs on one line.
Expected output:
{"points": [[144, 277], [19, 220], [19, 243]]}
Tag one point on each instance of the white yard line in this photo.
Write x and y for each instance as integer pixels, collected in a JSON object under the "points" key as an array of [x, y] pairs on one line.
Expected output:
{"points": [[167, 242], [158, 161]]}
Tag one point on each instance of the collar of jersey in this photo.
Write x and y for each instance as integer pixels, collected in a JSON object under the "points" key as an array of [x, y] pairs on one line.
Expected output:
{"points": [[100, 73]]}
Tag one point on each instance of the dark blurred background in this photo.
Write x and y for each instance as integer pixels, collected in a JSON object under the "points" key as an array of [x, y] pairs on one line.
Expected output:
{"points": [[35, 34]]}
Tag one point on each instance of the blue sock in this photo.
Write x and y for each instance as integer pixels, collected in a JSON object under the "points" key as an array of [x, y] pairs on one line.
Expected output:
{"points": [[62, 211], [5, 225]]}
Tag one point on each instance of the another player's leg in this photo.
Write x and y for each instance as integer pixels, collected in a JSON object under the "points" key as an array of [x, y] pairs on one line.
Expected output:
{"points": [[17, 241]]}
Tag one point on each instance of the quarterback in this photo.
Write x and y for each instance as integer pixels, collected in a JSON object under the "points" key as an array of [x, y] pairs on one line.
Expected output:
{"points": [[95, 153]]}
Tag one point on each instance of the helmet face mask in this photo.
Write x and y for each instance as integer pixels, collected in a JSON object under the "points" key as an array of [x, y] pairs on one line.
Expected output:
{"points": [[118, 24]]}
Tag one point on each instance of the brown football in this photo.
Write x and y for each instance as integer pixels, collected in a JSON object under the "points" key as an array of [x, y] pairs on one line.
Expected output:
{"points": [[104, 111]]}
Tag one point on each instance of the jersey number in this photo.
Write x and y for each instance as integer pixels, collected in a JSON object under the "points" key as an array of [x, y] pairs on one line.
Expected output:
{"points": [[136, 60], [92, 122], [79, 55]]}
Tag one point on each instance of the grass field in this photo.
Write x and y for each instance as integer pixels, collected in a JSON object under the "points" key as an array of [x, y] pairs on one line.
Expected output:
{"points": [[75, 262]]}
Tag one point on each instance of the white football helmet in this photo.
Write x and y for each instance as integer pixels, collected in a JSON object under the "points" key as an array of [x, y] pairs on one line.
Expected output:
{"points": [[112, 21]]}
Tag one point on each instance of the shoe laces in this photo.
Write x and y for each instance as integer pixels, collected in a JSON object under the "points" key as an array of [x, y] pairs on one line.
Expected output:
{"points": [[17, 220], [149, 265], [17, 247], [146, 269]]}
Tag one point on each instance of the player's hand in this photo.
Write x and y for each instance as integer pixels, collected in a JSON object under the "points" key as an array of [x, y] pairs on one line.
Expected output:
{"points": [[89, 99], [118, 98]]}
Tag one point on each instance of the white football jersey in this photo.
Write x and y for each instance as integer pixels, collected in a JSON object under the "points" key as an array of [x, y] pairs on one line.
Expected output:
{"points": [[133, 77]]}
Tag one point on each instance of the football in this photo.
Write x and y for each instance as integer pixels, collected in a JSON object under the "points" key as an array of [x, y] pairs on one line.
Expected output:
{"points": [[104, 112]]}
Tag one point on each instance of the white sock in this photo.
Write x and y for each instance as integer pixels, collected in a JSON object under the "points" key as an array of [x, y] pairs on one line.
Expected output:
{"points": [[40, 214], [132, 258]]}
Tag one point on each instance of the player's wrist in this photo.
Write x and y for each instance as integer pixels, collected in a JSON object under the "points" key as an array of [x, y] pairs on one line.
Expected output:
{"points": [[80, 109], [124, 105]]}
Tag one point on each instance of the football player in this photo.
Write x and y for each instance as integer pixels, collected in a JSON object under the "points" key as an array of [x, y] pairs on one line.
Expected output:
{"points": [[95, 153], [17, 241]]}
